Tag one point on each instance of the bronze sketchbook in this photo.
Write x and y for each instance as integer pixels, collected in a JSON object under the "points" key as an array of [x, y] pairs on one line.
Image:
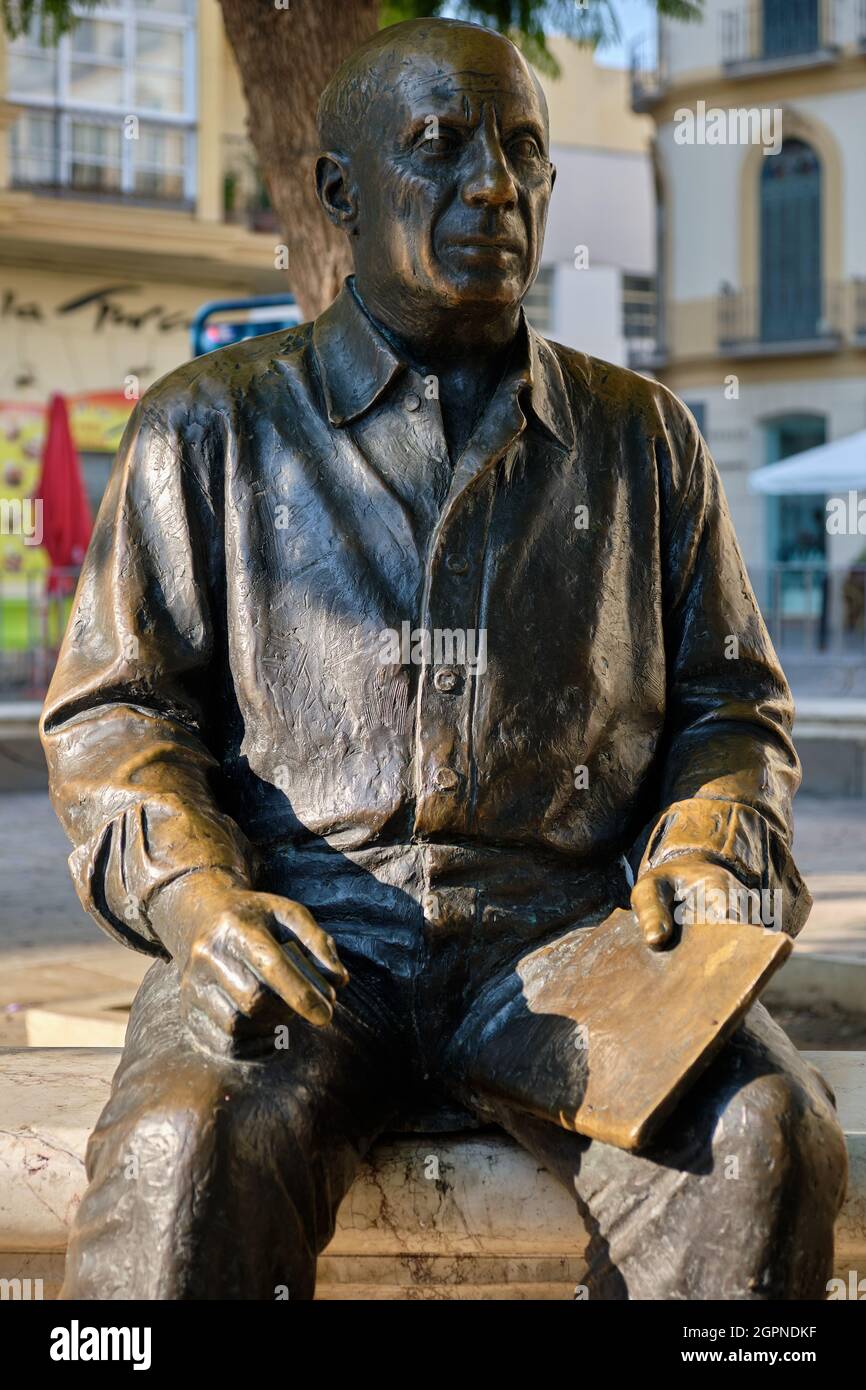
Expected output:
{"points": [[602, 1035]]}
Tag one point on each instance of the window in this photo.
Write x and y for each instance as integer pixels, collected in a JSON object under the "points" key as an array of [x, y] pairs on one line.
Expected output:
{"points": [[791, 300], [790, 27], [797, 539], [111, 110], [95, 469], [639, 307], [699, 410]]}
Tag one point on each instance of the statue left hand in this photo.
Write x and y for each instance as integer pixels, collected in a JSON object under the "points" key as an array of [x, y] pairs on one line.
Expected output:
{"points": [[720, 895]]}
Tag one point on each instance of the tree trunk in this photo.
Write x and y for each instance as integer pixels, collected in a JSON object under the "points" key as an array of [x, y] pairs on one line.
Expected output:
{"points": [[285, 57]]}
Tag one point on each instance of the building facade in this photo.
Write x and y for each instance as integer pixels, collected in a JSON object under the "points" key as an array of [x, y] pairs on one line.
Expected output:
{"points": [[128, 198], [759, 113], [599, 258]]}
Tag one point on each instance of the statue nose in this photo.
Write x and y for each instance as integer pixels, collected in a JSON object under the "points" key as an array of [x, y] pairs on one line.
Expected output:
{"points": [[490, 182]]}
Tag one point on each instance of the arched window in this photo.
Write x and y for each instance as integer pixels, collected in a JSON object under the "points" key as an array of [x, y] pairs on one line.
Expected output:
{"points": [[790, 26], [791, 298]]}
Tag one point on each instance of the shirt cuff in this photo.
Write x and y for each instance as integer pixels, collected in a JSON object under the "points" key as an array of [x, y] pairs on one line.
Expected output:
{"points": [[118, 872], [739, 839]]}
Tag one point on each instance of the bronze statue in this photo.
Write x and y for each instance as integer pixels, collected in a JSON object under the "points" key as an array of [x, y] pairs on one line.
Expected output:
{"points": [[403, 644]]}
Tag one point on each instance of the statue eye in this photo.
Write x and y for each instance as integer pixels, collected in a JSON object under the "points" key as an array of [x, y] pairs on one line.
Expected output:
{"points": [[445, 142], [524, 147]]}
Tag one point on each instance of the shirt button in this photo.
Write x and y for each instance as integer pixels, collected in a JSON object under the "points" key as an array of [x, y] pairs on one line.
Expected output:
{"points": [[457, 564], [430, 906], [445, 779], [413, 402], [446, 679]]}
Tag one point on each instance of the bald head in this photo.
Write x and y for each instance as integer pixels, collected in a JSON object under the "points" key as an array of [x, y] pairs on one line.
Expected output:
{"points": [[435, 165], [418, 54]]}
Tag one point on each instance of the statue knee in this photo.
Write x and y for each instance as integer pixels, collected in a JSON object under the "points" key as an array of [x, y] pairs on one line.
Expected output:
{"points": [[785, 1140], [177, 1131]]}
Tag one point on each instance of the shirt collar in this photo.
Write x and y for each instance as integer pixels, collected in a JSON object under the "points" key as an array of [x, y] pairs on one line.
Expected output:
{"points": [[357, 365]]}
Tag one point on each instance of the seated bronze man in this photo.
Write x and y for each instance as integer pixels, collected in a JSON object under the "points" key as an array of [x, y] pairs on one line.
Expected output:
{"points": [[334, 824]]}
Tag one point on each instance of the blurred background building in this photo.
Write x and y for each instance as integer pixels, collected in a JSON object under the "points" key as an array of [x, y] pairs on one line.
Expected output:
{"points": [[598, 263], [130, 196], [111, 232], [762, 291]]}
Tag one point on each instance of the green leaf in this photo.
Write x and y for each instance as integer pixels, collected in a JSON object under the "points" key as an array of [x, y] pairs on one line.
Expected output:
{"points": [[44, 20], [528, 23]]}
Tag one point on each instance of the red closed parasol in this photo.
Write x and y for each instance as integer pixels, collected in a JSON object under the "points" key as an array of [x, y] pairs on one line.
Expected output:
{"points": [[66, 521]]}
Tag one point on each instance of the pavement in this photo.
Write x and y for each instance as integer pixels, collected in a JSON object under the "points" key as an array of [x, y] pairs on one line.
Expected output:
{"points": [[50, 949]]}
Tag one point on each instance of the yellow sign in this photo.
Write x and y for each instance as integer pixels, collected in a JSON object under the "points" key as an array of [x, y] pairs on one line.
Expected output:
{"points": [[98, 419], [22, 430]]}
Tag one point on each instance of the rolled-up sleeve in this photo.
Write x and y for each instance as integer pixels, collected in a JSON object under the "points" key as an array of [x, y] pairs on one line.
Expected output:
{"points": [[729, 769], [124, 727]]}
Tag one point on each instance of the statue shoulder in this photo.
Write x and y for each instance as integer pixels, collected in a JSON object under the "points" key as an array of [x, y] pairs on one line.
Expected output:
{"points": [[620, 391], [215, 381]]}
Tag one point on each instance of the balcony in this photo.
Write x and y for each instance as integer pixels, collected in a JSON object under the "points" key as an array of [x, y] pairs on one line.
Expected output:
{"points": [[649, 71], [784, 320], [245, 197], [83, 155], [778, 35]]}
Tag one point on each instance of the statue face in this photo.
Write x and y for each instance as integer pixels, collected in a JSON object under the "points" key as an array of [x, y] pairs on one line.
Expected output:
{"points": [[453, 181]]}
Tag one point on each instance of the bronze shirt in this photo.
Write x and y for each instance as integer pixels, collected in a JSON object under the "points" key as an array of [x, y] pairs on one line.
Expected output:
{"points": [[228, 692]]}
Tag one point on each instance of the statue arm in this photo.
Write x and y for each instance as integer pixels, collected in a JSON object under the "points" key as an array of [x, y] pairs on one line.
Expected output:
{"points": [[729, 769], [123, 726]]}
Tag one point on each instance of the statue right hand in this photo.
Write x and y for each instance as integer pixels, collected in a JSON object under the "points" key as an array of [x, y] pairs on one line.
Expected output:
{"points": [[245, 958]]}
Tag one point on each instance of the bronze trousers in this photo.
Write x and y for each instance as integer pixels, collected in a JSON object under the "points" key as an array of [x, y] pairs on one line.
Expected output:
{"points": [[212, 1177]]}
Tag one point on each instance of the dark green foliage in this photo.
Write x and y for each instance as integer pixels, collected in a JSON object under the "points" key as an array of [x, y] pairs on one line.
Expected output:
{"points": [[47, 19], [527, 22]]}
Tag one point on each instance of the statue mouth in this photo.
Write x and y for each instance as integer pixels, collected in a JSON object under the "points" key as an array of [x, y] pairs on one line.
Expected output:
{"points": [[487, 246]]}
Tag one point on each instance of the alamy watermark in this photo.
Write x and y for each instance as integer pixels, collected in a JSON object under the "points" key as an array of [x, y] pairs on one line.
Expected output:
{"points": [[759, 907], [443, 646], [22, 517], [77, 1343], [855, 1289], [846, 516], [744, 125], [21, 1290]]}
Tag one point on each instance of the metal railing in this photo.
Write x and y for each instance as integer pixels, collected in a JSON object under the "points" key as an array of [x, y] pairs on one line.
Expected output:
{"points": [[756, 33], [32, 623], [779, 315], [45, 160], [648, 64], [814, 611], [811, 610]]}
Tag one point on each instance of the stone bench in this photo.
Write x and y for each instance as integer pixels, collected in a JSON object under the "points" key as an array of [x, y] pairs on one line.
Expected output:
{"points": [[456, 1215]]}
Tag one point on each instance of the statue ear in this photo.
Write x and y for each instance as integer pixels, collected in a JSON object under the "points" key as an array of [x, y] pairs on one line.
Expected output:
{"points": [[336, 189]]}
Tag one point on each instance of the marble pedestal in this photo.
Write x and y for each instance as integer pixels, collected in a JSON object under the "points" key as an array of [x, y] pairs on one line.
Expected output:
{"points": [[464, 1215]]}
